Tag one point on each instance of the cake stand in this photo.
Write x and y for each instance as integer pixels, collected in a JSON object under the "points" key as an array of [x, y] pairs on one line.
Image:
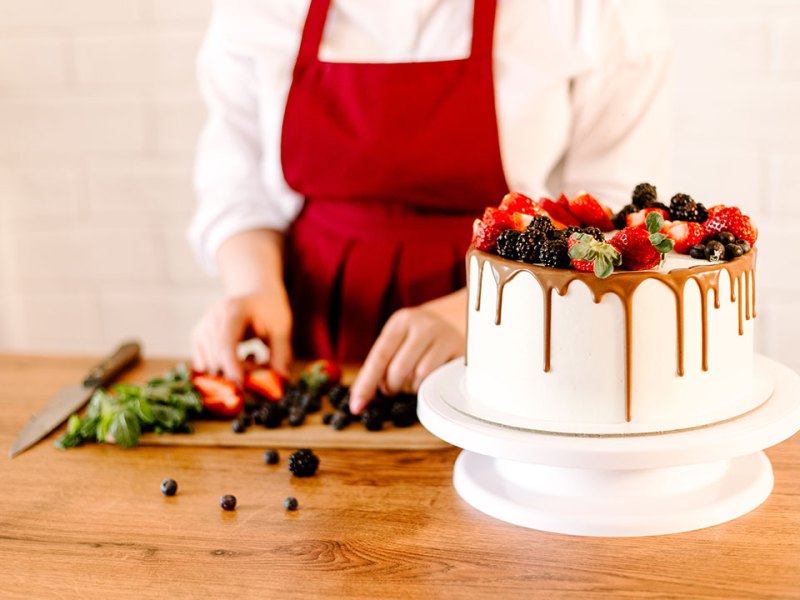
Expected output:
{"points": [[613, 485]]}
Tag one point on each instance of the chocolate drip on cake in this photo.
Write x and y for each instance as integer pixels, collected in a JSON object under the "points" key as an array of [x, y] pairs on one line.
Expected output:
{"points": [[624, 284]]}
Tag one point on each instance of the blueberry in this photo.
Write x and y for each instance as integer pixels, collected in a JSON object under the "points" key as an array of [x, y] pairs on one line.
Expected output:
{"points": [[327, 418], [228, 502], [290, 503], [732, 251], [169, 487], [271, 457], [726, 237], [744, 244], [340, 420], [240, 424], [715, 251], [698, 251]]}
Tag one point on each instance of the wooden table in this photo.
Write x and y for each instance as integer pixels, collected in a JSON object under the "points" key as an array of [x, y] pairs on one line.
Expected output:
{"points": [[91, 522]]}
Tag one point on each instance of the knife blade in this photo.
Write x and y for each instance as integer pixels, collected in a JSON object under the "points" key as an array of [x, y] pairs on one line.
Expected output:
{"points": [[72, 397]]}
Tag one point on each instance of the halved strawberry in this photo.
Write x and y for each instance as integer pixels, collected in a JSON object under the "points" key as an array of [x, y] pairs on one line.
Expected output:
{"points": [[494, 217], [516, 202], [484, 236], [638, 218], [221, 397], [713, 210], [320, 375], [591, 255], [590, 212], [685, 234], [731, 219], [265, 381], [520, 221], [560, 216]]}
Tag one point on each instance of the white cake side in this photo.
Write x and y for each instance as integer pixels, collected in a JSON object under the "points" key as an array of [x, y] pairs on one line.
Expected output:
{"points": [[585, 389]]}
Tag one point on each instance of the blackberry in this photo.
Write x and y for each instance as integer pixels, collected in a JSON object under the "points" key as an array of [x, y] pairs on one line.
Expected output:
{"points": [[251, 403], [327, 418], [240, 424], [340, 420], [644, 195], [297, 416], [290, 503], [542, 225], [169, 487], [715, 251], [698, 251], [271, 457], [528, 245], [553, 253], [570, 230], [228, 502], [404, 413], [682, 207], [271, 415], [292, 396], [595, 233], [337, 394], [303, 463], [372, 418], [733, 251], [310, 403], [620, 219], [507, 244]]}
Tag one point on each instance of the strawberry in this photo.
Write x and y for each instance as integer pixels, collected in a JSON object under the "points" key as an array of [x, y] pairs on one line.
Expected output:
{"points": [[590, 255], [590, 212], [643, 248], [730, 219], [221, 397], [685, 234], [516, 202], [494, 217], [320, 376], [637, 219], [713, 210], [265, 381], [484, 236], [560, 216], [520, 221]]}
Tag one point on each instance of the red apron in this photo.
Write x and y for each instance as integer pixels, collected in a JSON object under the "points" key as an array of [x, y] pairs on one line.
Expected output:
{"points": [[394, 161]]}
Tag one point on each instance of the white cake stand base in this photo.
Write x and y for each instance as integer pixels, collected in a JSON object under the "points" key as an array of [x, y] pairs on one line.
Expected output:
{"points": [[612, 486]]}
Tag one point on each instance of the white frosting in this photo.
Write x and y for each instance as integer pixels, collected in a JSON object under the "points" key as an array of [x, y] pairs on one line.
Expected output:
{"points": [[584, 391]]}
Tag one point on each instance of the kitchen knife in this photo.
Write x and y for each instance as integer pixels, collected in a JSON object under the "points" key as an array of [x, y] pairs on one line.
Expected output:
{"points": [[72, 397]]}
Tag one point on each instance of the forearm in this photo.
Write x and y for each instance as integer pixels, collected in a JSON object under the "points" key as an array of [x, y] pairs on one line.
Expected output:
{"points": [[251, 262], [452, 309]]}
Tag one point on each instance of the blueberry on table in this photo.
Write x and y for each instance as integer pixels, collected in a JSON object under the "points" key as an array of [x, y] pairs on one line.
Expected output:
{"points": [[228, 502], [290, 503], [239, 425], [169, 487], [271, 457]]}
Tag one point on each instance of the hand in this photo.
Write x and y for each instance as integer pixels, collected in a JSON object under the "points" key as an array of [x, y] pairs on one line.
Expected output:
{"points": [[413, 343], [227, 322]]}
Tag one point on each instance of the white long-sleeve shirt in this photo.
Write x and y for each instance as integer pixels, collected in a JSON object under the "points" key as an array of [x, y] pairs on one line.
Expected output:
{"points": [[581, 91]]}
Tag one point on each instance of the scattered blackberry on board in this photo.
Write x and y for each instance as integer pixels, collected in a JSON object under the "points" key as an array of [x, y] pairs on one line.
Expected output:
{"points": [[595, 233], [715, 251], [327, 418], [733, 251], [290, 503], [169, 487], [272, 416], [340, 420], [372, 418], [507, 244], [297, 416], [338, 394], [240, 424], [271, 457], [682, 207], [251, 403], [698, 251], [404, 413], [620, 219], [644, 196], [228, 502], [554, 253], [528, 245], [310, 403], [303, 463], [542, 225]]}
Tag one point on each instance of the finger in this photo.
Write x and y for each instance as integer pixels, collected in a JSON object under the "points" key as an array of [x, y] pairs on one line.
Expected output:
{"points": [[199, 360], [372, 372], [435, 357], [280, 354], [231, 332], [403, 364]]}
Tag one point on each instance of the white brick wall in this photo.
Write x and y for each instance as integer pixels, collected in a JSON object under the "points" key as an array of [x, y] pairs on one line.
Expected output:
{"points": [[99, 114]]}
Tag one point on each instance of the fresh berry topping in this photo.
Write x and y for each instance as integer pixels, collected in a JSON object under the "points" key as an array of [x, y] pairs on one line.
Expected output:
{"points": [[620, 219], [698, 251], [541, 225], [267, 382], [715, 251], [303, 463], [640, 248], [571, 229], [726, 237], [228, 502], [595, 233], [221, 397], [271, 457], [745, 246], [507, 244], [484, 236], [319, 376], [682, 207], [514, 202], [169, 487], [495, 217], [713, 210], [290, 503], [590, 212], [558, 213], [685, 234], [644, 195], [554, 253], [638, 218], [588, 254], [528, 243], [733, 251], [732, 220]]}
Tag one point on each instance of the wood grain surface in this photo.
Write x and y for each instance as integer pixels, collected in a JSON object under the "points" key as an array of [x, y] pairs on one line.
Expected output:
{"points": [[91, 523]]}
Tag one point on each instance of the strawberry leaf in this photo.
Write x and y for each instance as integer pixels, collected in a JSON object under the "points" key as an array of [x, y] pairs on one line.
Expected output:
{"points": [[657, 238], [665, 246], [654, 222], [580, 251], [603, 267]]}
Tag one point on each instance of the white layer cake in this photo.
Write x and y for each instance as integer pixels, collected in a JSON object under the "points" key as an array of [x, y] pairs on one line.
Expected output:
{"points": [[598, 382]]}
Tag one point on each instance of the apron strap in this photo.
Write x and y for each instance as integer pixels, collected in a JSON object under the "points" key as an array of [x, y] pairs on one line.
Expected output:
{"points": [[312, 32], [483, 14]]}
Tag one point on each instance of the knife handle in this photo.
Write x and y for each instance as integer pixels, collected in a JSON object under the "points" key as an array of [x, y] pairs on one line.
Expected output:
{"points": [[109, 368]]}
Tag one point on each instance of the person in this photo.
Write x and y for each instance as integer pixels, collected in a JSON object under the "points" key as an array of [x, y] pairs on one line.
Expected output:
{"points": [[350, 145]]}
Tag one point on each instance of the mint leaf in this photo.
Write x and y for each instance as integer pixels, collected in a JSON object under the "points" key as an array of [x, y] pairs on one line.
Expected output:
{"points": [[657, 238], [73, 424], [665, 246], [125, 429], [654, 221]]}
